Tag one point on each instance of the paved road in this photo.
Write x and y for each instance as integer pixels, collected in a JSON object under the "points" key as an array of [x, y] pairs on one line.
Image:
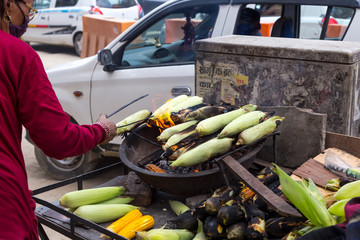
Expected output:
{"points": [[52, 56]]}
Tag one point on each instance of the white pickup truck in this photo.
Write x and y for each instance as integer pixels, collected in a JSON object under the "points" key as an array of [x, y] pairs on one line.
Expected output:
{"points": [[155, 56]]}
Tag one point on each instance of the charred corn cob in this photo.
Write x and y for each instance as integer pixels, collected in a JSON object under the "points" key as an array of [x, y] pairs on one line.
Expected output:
{"points": [[164, 234], [123, 221], [99, 213], [203, 152], [166, 106], [167, 133], [89, 196], [141, 224], [241, 123], [131, 121], [349, 190], [154, 168], [203, 113], [216, 123], [258, 131]]}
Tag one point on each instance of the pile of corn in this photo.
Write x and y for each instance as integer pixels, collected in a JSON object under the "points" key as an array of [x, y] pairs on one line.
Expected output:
{"points": [[106, 204], [202, 132]]}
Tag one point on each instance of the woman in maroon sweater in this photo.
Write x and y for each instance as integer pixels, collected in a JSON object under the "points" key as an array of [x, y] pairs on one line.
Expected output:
{"points": [[27, 99]]}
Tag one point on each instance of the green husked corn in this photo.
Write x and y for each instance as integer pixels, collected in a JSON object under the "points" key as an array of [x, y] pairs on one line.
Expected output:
{"points": [[167, 133], [169, 104], [100, 213], [338, 208], [89, 196], [349, 190], [177, 137], [213, 124], [204, 152], [258, 131], [178, 207], [117, 200], [165, 234], [241, 123], [134, 118], [190, 102]]}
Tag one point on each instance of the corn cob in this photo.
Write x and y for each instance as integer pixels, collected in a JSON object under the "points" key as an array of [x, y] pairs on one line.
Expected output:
{"points": [[164, 234], [338, 208], [133, 120], [123, 221], [154, 168], [303, 200], [141, 224], [166, 106], [349, 190], [167, 133], [258, 131], [177, 137], [99, 213], [178, 207], [236, 231], [215, 123], [190, 102], [89, 196], [203, 113], [241, 123], [203, 152], [117, 200]]}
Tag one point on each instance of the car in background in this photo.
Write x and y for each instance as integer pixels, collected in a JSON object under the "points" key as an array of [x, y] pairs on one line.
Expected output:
{"points": [[155, 56], [59, 22]]}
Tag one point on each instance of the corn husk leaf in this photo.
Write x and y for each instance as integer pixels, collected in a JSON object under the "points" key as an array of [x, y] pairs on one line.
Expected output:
{"points": [[303, 200]]}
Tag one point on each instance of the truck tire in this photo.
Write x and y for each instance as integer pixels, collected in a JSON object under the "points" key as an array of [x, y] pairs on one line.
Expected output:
{"points": [[65, 168]]}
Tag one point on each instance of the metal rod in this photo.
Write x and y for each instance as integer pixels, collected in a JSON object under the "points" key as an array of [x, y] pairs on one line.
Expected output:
{"points": [[121, 108], [147, 140]]}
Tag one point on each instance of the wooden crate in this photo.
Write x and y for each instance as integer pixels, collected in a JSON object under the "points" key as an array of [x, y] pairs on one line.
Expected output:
{"points": [[99, 31]]}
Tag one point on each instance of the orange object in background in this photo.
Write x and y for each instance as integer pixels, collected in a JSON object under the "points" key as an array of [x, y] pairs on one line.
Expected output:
{"points": [[336, 31], [99, 31], [172, 26], [265, 29]]}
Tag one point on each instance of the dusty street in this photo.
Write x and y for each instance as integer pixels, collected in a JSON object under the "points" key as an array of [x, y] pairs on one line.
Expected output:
{"points": [[52, 56]]}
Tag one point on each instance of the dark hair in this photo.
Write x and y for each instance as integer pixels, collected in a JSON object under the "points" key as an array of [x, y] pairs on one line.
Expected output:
{"points": [[2, 9], [251, 16]]}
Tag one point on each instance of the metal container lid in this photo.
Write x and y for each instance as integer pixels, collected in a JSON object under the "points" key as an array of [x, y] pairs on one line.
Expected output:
{"points": [[285, 48]]}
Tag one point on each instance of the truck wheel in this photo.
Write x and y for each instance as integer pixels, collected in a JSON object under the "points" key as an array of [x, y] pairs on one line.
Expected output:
{"points": [[78, 43], [65, 168]]}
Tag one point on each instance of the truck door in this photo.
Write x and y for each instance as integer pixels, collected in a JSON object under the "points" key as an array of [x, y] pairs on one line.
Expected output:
{"points": [[158, 60]]}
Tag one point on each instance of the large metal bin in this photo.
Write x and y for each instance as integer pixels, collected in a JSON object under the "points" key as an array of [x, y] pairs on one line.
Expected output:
{"points": [[312, 74]]}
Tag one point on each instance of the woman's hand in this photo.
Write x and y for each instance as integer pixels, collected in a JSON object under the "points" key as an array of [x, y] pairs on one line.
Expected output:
{"points": [[108, 126]]}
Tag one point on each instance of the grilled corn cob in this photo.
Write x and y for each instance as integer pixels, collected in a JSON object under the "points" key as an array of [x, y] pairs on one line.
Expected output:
{"points": [[166, 106], [123, 221], [99, 213], [258, 131], [203, 152], [177, 137], [154, 168], [141, 224], [167, 133], [349, 190], [215, 123], [203, 113], [89, 196], [190, 102], [131, 121], [241, 123]]}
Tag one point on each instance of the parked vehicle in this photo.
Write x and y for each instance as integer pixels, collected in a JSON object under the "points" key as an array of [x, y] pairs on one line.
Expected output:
{"points": [[59, 22], [155, 56]]}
